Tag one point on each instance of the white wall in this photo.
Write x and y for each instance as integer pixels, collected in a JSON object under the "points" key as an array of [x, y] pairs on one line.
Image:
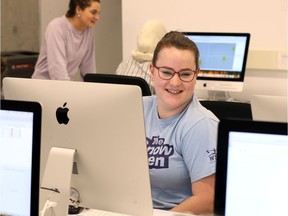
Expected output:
{"points": [[263, 82], [266, 21]]}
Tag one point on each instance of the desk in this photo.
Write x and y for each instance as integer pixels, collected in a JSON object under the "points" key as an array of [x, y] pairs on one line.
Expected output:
{"points": [[93, 212]]}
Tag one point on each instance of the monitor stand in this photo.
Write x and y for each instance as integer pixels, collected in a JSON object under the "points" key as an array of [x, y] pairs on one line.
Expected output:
{"points": [[55, 188], [219, 96]]}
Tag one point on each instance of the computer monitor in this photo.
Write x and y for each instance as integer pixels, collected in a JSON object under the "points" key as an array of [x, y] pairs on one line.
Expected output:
{"points": [[20, 143], [105, 124], [222, 60], [251, 171]]}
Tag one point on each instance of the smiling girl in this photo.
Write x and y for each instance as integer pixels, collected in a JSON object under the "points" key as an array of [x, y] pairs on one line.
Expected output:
{"points": [[180, 132]]}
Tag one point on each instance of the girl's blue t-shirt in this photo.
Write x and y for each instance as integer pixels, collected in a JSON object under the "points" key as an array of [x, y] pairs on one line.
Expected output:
{"points": [[181, 150]]}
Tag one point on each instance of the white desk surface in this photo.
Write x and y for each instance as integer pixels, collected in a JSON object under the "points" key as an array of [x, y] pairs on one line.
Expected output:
{"points": [[157, 212]]}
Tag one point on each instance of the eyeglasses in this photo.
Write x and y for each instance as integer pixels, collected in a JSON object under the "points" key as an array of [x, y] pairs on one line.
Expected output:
{"points": [[185, 75]]}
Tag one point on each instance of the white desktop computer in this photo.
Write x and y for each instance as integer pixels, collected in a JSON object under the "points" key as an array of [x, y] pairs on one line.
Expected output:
{"points": [[222, 62], [99, 127]]}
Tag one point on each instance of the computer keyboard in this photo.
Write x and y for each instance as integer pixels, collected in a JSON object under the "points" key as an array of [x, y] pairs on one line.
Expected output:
{"points": [[94, 212]]}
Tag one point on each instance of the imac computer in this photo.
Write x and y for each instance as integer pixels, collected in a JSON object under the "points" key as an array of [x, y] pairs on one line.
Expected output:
{"points": [[95, 131], [222, 60]]}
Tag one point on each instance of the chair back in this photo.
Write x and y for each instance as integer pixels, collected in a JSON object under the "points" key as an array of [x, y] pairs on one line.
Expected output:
{"points": [[119, 79]]}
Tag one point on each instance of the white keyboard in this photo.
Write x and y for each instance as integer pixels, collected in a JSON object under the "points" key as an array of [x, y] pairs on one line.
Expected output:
{"points": [[94, 212]]}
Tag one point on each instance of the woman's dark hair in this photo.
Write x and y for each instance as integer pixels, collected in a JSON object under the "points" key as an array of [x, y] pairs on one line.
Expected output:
{"points": [[81, 3], [178, 40]]}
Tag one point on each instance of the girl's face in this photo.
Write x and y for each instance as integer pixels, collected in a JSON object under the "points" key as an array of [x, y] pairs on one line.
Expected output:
{"points": [[174, 94], [89, 16]]}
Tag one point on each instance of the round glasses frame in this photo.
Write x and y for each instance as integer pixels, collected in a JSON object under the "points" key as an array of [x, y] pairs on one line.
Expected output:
{"points": [[167, 76]]}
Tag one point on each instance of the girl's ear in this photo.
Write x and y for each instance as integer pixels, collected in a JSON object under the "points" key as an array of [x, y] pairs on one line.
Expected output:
{"points": [[78, 10], [197, 72]]}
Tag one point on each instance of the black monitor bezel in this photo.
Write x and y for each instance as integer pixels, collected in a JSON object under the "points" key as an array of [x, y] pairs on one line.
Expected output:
{"points": [[224, 128], [36, 109], [225, 34]]}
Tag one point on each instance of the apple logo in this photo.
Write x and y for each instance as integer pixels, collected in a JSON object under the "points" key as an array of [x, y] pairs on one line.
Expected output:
{"points": [[62, 114]]}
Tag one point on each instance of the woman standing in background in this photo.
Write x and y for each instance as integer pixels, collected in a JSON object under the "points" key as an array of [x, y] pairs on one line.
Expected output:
{"points": [[68, 44]]}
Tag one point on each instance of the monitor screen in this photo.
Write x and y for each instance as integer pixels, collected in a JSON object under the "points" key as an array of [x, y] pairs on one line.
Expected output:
{"points": [[251, 162], [104, 123], [20, 132], [264, 154], [222, 60]]}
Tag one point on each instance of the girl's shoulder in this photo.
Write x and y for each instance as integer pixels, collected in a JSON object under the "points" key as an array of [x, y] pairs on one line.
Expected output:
{"points": [[58, 22]]}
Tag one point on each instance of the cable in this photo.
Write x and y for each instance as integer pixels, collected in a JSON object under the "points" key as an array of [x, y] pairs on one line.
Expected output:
{"points": [[48, 203]]}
